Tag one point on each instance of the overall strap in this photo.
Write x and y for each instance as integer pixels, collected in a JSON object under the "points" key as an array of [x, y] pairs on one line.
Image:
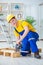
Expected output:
{"points": [[16, 30]]}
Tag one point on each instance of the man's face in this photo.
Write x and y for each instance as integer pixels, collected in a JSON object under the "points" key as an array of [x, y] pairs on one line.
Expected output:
{"points": [[13, 21]]}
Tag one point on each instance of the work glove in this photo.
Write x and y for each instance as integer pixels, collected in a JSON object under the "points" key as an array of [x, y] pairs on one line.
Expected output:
{"points": [[18, 47]]}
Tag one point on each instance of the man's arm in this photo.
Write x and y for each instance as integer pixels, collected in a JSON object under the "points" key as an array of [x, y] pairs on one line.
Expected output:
{"points": [[17, 38], [24, 34]]}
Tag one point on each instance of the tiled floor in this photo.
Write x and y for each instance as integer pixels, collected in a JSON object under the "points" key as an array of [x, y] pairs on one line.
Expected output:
{"points": [[23, 60]]}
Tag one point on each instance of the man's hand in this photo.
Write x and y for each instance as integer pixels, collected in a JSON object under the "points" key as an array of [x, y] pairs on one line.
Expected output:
{"points": [[18, 42], [18, 47]]}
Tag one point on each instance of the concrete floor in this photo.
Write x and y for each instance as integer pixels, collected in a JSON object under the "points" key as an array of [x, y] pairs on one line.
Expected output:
{"points": [[23, 60]]}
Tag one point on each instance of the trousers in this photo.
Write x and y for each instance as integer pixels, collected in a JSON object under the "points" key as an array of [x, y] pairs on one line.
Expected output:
{"points": [[29, 42]]}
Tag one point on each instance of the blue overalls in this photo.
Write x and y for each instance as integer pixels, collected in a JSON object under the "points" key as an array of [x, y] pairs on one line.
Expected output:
{"points": [[29, 42]]}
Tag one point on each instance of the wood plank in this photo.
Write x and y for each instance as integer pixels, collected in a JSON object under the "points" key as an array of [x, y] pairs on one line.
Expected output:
{"points": [[1, 52], [16, 54]]}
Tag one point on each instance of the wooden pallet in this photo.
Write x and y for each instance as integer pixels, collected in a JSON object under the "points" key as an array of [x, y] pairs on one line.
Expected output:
{"points": [[9, 52], [12, 54]]}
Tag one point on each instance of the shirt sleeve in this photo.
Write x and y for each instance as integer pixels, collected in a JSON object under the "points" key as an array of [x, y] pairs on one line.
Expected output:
{"points": [[15, 33], [24, 23], [31, 28]]}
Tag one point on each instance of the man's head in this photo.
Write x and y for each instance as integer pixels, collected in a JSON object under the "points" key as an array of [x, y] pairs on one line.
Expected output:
{"points": [[11, 19]]}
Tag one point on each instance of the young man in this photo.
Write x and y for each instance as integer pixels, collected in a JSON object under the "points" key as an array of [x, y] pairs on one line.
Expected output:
{"points": [[26, 34]]}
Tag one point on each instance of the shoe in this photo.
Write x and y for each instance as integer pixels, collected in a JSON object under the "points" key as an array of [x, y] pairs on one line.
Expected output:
{"points": [[36, 55]]}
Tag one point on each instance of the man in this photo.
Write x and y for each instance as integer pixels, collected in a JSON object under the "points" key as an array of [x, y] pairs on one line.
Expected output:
{"points": [[26, 34]]}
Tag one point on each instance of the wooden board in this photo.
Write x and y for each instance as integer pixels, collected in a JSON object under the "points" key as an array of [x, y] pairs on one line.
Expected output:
{"points": [[1, 53], [7, 49]]}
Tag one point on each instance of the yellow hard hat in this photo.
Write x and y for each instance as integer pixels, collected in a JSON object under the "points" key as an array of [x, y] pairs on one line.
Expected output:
{"points": [[9, 17]]}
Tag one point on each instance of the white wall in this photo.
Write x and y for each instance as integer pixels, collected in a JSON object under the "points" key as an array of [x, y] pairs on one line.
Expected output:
{"points": [[28, 5], [23, 1], [30, 9]]}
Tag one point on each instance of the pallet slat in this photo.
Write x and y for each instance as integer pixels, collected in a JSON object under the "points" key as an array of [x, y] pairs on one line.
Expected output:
{"points": [[7, 54], [1, 53], [16, 54]]}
